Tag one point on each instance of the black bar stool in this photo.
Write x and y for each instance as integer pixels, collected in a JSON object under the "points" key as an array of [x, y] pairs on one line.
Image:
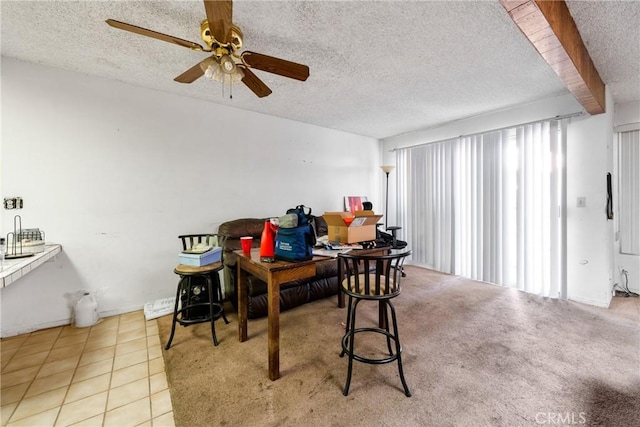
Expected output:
{"points": [[195, 302], [372, 278], [199, 296]]}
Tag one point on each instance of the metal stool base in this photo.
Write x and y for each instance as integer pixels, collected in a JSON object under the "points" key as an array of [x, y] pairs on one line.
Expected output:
{"points": [[184, 315], [348, 342]]}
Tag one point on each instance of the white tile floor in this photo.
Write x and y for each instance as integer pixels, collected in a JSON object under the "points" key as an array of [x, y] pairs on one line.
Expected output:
{"points": [[111, 374]]}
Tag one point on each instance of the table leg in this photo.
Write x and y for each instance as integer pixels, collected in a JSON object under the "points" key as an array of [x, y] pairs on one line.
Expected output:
{"points": [[241, 290], [273, 296]]}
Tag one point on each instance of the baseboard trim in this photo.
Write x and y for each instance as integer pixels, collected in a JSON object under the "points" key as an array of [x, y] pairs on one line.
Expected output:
{"points": [[33, 328], [588, 301]]}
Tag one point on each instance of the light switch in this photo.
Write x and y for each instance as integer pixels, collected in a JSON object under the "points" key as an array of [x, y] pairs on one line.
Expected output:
{"points": [[581, 202]]}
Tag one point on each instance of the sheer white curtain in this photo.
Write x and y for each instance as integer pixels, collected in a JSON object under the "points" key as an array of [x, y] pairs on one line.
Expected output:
{"points": [[487, 206]]}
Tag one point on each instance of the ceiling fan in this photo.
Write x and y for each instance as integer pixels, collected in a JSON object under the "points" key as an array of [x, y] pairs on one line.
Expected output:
{"points": [[224, 40]]}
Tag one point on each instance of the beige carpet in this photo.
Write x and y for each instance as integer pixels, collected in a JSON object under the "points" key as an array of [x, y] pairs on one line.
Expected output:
{"points": [[474, 354]]}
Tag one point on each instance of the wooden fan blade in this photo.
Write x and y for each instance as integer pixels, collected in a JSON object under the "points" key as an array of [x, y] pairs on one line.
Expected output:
{"points": [[153, 34], [192, 74], [276, 65], [254, 83], [219, 14]]}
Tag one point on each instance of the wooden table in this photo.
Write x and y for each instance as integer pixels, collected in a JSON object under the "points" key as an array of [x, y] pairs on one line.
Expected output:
{"points": [[274, 274]]}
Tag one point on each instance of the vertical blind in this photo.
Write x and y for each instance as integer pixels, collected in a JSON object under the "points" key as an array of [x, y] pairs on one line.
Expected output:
{"points": [[629, 191], [486, 206]]}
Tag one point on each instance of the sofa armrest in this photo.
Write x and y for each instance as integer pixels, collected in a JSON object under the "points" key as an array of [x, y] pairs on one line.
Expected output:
{"points": [[232, 231]]}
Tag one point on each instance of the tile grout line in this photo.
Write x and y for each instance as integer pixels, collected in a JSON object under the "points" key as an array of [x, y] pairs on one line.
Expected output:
{"points": [[163, 371], [75, 370], [10, 359], [9, 420], [112, 371], [76, 367], [25, 392], [113, 363], [146, 337]]}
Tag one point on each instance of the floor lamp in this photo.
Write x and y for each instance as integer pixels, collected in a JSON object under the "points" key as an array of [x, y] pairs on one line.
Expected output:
{"points": [[386, 170], [394, 228]]}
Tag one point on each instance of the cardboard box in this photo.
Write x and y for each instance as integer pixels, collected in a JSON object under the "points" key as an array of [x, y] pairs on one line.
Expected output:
{"points": [[362, 229], [198, 260]]}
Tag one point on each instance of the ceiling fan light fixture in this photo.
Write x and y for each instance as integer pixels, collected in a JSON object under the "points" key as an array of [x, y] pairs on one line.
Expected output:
{"points": [[223, 70], [237, 76], [224, 40], [227, 65], [207, 63]]}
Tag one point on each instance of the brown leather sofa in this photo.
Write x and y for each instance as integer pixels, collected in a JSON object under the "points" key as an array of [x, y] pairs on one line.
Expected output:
{"points": [[292, 294]]}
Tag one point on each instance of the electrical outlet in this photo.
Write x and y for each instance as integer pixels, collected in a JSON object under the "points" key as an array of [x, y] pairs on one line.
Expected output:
{"points": [[13, 203]]}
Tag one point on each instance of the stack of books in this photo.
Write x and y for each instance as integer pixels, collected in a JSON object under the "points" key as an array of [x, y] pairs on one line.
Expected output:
{"points": [[200, 257]]}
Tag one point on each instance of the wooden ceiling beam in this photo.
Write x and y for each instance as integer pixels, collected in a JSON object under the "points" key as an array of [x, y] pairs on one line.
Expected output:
{"points": [[551, 29]]}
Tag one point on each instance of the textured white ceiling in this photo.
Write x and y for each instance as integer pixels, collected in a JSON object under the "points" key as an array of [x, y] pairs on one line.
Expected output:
{"points": [[376, 68]]}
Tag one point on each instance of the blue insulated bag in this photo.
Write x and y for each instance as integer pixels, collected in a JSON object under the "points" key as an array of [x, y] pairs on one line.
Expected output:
{"points": [[295, 237]]}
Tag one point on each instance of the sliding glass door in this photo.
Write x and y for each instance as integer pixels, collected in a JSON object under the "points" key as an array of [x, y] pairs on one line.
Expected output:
{"points": [[487, 206]]}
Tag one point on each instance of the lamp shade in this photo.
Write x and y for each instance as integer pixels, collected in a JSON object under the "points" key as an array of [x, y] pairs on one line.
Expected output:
{"points": [[387, 169]]}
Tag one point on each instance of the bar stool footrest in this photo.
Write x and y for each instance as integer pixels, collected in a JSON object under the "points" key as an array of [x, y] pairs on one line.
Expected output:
{"points": [[217, 313], [345, 347]]}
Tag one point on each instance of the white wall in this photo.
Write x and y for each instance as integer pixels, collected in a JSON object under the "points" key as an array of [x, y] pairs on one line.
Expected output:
{"points": [[115, 173], [627, 117], [589, 232]]}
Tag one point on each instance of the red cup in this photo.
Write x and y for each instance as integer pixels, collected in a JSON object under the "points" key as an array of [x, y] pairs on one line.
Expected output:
{"points": [[246, 243]]}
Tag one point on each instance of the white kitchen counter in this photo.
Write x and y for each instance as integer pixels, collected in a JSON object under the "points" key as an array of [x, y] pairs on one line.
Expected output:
{"points": [[13, 269]]}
